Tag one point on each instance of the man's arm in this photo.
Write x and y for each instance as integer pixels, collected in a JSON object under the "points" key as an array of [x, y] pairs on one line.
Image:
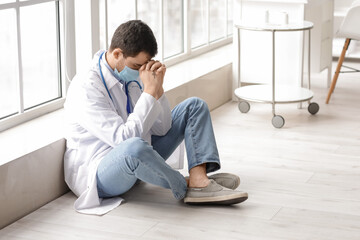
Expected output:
{"points": [[95, 114], [154, 85]]}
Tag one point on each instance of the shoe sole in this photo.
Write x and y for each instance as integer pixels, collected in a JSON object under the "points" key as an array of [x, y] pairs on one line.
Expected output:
{"points": [[219, 200]]}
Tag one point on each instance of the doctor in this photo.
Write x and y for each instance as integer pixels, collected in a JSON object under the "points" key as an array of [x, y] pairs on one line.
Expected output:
{"points": [[120, 129]]}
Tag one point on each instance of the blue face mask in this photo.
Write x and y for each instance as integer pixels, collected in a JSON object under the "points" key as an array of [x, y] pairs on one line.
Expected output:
{"points": [[127, 74]]}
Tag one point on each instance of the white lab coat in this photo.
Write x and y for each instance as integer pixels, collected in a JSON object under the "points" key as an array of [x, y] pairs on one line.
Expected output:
{"points": [[95, 125]]}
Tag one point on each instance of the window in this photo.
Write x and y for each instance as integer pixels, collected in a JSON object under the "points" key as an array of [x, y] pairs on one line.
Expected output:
{"points": [[182, 27], [31, 35], [30, 56]]}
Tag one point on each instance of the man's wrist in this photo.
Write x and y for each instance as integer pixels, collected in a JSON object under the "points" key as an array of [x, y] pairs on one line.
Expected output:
{"points": [[161, 92], [152, 92]]}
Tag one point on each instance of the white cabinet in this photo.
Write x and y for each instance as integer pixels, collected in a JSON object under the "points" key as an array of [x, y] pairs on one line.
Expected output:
{"points": [[255, 52], [321, 13]]}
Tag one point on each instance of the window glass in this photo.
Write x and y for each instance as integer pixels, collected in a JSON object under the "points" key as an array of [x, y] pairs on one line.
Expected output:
{"points": [[83, 25], [230, 21], [8, 63], [119, 11], [149, 12], [198, 23], [173, 27], [39, 53], [217, 19]]}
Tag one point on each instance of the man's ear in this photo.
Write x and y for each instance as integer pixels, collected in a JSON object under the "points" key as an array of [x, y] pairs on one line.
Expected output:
{"points": [[117, 53]]}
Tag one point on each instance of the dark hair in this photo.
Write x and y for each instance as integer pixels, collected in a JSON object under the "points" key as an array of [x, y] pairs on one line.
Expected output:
{"points": [[133, 37]]}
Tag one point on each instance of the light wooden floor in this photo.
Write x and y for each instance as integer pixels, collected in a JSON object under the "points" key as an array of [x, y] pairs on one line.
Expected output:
{"points": [[303, 182]]}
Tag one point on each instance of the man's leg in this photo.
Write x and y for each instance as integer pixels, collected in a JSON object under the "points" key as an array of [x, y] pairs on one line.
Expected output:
{"points": [[191, 121], [135, 159]]}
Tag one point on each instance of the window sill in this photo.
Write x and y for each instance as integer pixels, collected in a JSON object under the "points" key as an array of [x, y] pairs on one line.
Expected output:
{"points": [[197, 67], [39, 132]]}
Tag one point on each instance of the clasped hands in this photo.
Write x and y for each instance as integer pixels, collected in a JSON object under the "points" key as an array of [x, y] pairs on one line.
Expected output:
{"points": [[152, 75]]}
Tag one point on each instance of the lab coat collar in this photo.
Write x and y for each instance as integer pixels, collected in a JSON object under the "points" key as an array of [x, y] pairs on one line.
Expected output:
{"points": [[109, 68]]}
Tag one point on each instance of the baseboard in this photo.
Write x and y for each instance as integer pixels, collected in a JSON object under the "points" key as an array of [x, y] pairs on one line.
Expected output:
{"points": [[31, 181]]}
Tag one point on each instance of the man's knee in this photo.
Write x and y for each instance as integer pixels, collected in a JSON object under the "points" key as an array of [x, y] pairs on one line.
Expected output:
{"points": [[133, 149], [196, 103], [135, 146]]}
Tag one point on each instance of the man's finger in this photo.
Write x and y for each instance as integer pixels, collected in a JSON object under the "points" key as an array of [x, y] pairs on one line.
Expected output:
{"points": [[142, 67], [149, 64], [161, 69], [155, 66]]}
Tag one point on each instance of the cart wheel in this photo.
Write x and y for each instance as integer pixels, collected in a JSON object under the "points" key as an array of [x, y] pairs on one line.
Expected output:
{"points": [[244, 106], [278, 121], [313, 108]]}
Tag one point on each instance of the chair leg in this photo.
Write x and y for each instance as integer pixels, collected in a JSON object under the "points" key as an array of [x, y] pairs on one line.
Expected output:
{"points": [[338, 68]]}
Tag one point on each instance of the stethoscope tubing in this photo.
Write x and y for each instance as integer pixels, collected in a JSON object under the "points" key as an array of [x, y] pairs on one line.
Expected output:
{"points": [[126, 87]]}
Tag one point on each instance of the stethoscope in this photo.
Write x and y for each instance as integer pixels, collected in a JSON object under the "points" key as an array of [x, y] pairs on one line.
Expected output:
{"points": [[128, 109]]}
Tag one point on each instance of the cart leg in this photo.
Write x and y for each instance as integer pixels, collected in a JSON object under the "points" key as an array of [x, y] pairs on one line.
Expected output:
{"points": [[309, 59], [300, 104], [273, 73], [277, 120], [273, 109]]}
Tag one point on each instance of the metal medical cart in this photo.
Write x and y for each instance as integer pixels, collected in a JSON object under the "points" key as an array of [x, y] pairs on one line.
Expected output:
{"points": [[272, 93]]}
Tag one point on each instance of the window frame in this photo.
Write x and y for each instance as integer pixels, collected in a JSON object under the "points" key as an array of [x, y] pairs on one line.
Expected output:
{"points": [[188, 51], [25, 114]]}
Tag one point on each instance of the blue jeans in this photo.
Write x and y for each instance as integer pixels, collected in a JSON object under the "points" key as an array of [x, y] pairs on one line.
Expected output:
{"points": [[136, 159]]}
